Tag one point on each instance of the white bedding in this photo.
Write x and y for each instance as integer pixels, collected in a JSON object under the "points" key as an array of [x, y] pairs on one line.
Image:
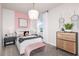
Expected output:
{"points": [[21, 46]]}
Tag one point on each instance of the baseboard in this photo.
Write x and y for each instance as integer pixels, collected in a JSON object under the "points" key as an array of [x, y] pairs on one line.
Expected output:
{"points": [[50, 43]]}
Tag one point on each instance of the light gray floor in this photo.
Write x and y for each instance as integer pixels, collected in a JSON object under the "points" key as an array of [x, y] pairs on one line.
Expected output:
{"points": [[48, 51]]}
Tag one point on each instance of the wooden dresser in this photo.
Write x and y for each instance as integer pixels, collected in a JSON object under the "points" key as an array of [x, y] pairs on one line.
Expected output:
{"points": [[67, 41]]}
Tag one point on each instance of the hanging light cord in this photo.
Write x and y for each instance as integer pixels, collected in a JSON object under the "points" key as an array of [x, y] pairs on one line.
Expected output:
{"points": [[33, 5]]}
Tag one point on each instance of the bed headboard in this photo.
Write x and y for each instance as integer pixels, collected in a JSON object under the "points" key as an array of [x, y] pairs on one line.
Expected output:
{"points": [[21, 33]]}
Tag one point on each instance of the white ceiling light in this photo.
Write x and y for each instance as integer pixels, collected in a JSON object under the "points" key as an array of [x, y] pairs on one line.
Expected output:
{"points": [[33, 14]]}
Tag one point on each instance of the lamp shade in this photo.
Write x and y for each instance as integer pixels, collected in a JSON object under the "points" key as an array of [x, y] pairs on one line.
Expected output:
{"points": [[33, 14]]}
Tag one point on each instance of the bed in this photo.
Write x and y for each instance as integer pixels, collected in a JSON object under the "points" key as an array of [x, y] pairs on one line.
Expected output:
{"points": [[23, 41]]}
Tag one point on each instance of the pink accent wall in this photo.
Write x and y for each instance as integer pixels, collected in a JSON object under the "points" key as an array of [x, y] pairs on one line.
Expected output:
{"points": [[21, 15]]}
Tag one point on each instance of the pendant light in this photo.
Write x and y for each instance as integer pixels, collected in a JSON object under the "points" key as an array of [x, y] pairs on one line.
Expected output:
{"points": [[33, 14]]}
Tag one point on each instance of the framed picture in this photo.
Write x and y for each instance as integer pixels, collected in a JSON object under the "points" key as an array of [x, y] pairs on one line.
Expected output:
{"points": [[23, 22], [61, 22]]}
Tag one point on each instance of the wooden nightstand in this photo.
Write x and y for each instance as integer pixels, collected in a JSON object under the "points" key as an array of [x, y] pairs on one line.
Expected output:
{"points": [[9, 40]]}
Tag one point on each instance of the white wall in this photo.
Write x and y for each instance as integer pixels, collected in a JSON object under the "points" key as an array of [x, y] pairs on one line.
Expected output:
{"points": [[66, 11], [0, 25], [8, 21]]}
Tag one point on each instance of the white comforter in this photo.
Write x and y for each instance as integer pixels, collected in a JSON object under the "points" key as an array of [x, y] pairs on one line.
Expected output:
{"points": [[21, 46]]}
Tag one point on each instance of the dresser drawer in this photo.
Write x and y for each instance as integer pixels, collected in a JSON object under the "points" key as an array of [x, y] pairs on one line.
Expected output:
{"points": [[59, 43], [67, 36], [69, 46]]}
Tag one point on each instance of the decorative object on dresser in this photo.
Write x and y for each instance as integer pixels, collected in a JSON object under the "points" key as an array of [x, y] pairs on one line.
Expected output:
{"points": [[67, 41], [68, 27], [9, 40]]}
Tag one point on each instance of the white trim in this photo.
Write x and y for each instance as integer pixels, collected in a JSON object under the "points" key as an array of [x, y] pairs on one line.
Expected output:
{"points": [[50, 43]]}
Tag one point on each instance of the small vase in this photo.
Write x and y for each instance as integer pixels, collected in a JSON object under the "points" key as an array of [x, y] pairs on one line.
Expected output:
{"points": [[68, 30]]}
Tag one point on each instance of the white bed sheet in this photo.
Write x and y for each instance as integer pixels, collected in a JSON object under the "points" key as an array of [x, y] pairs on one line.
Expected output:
{"points": [[21, 46]]}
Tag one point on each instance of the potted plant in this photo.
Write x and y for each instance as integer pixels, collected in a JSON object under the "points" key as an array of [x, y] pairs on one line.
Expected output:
{"points": [[68, 27]]}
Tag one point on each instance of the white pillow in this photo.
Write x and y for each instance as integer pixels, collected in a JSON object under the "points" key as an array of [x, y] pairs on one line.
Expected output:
{"points": [[19, 33], [28, 36]]}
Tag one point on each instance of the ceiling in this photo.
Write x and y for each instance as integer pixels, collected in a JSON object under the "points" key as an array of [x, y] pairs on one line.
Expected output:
{"points": [[24, 7]]}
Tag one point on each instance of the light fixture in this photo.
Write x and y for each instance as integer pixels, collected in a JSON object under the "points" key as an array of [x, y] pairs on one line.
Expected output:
{"points": [[75, 17], [33, 14]]}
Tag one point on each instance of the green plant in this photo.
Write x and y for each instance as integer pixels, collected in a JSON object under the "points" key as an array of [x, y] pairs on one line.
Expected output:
{"points": [[68, 26]]}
